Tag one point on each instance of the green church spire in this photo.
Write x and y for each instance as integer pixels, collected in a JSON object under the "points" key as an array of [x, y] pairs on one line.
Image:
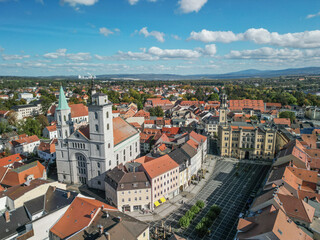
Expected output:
{"points": [[63, 104]]}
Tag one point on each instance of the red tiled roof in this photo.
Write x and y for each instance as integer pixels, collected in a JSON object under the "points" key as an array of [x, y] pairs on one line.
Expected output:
{"points": [[282, 121], [79, 215], [193, 144], [47, 147], [19, 175], [142, 113], [198, 137], [78, 110], [52, 128], [25, 140], [11, 159], [246, 103], [171, 131], [159, 166], [122, 130], [85, 131]]}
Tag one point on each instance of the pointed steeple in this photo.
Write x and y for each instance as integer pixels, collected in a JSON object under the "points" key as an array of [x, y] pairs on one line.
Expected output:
{"points": [[63, 104]]}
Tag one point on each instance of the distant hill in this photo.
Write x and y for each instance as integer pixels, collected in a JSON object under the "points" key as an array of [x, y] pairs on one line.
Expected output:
{"points": [[249, 73]]}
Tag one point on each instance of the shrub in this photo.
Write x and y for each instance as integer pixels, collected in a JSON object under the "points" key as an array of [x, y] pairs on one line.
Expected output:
{"points": [[200, 204], [195, 209], [216, 209], [189, 214], [201, 229], [211, 214], [184, 222]]}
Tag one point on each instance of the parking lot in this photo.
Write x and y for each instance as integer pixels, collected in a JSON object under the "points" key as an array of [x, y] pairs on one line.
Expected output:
{"points": [[229, 187]]}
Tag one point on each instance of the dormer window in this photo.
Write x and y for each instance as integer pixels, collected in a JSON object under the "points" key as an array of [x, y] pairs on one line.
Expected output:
{"points": [[122, 186]]}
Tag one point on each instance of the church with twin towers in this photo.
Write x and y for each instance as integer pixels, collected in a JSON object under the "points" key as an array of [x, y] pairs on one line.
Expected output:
{"points": [[83, 155]]}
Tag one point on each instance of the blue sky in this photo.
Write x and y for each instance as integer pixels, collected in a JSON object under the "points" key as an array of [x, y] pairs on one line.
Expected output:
{"points": [[71, 37]]}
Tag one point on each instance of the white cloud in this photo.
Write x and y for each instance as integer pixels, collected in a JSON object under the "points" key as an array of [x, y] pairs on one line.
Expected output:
{"points": [[176, 37], [276, 55], [74, 3], [14, 57], [307, 39], [105, 31], [187, 6], [133, 2], [157, 35], [156, 53], [62, 53], [313, 15], [1, 49]]}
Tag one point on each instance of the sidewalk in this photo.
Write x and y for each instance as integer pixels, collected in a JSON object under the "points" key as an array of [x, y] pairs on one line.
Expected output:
{"points": [[173, 204]]}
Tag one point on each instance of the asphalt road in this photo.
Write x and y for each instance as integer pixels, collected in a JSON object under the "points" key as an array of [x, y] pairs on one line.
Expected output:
{"points": [[226, 188]]}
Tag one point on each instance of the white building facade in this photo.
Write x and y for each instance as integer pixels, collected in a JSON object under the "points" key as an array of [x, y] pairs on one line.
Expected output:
{"points": [[85, 154]]}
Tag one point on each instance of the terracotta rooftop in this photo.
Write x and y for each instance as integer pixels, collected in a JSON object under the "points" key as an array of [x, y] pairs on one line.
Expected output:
{"points": [[159, 166], [246, 103], [19, 175], [52, 128], [122, 130], [142, 113], [11, 159], [79, 215], [25, 140], [275, 224], [282, 121]]}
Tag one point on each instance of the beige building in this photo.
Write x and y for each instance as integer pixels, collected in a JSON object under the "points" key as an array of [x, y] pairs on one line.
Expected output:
{"points": [[128, 190], [247, 141]]}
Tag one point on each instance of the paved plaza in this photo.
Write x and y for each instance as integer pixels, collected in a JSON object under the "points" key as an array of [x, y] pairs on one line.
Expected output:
{"points": [[229, 186]]}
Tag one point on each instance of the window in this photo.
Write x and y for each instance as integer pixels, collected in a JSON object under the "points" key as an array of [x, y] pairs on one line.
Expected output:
{"points": [[96, 115], [107, 114], [98, 165], [99, 173], [98, 147], [109, 145], [97, 128], [109, 162], [64, 118], [108, 126], [99, 183]]}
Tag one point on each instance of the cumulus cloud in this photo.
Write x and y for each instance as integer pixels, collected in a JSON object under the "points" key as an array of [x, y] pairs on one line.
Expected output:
{"points": [[156, 53], [313, 15], [307, 39], [133, 2], [105, 31], [14, 57], [62, 53], [157, 35], [188, 6], [74, 3]]}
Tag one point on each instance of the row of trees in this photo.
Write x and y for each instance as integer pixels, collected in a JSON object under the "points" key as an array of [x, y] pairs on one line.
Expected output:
{"points": [[206, 222], [190, 214]]}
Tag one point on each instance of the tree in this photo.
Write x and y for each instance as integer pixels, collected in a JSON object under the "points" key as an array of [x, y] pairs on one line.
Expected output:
{"points": [[190, 214], [30, 127], [12, 118], [43, 121], [288, 114], [5, 127], [213, 97], [184, 222], [195, 209], [157, 111], [200, 204], [254, 117]]}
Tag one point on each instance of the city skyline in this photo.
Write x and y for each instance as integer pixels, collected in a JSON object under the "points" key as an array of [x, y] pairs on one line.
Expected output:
{"points": [[71, 37]]}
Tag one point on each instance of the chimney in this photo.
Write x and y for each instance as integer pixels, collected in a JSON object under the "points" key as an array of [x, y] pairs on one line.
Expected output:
{"points": [[7, 216], [92, 214], [107, 235], [68, 194], [102, 207]]}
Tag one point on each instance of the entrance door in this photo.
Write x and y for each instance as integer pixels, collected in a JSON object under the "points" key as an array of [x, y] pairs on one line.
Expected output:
{"points": [[246, 156]]}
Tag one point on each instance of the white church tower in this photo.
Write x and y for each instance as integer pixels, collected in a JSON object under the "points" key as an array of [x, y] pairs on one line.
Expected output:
{"points": [[64, 128], [101, 136]]}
